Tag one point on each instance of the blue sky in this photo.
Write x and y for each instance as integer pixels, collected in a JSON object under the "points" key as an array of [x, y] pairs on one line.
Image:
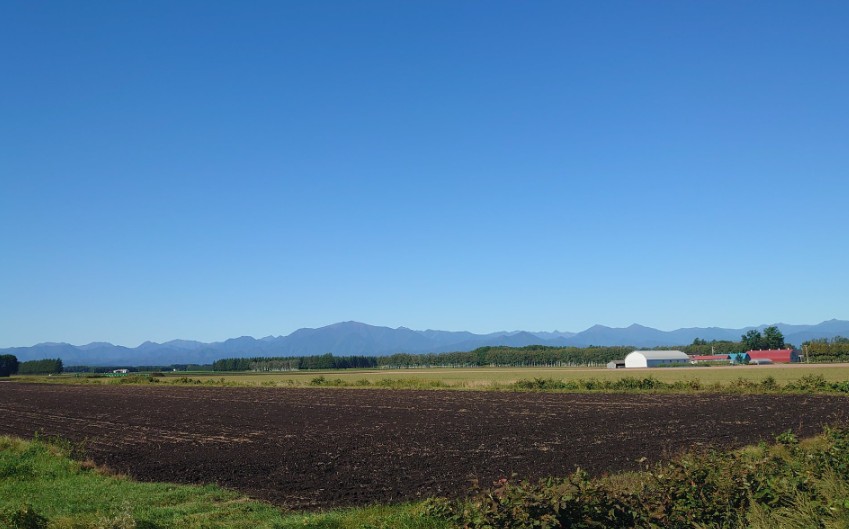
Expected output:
{"points": [[205, 170]]}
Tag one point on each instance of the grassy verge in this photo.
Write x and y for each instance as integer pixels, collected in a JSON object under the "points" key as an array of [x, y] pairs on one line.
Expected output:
{"points": [[43, 487], [806, 381], [789, 485], [465, 378]]}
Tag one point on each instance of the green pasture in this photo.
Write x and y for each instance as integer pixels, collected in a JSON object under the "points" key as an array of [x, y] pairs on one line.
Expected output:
{"points": [[476, 377], [482, 377]]}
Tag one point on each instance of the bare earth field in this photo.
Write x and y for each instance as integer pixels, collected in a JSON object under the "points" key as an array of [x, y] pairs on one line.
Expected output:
{"points": [[317, 448]]}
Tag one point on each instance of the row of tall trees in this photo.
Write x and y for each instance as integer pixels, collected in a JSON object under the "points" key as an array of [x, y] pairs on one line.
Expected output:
{"points": [[50, 366], [825, 350], [134, 369], [292, 363], [534, 355]]}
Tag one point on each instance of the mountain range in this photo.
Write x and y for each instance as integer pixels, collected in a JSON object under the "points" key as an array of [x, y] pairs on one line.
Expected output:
{"points": [[353, 338]]}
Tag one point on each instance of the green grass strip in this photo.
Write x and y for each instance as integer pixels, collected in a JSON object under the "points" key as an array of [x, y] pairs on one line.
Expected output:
{"points": [[41, 487]]}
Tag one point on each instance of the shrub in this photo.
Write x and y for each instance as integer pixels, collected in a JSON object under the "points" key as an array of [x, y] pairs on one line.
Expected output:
{"points": [[24, 517], [187, 380], [769, 384], [809, 383], [19, 470], [709, 489], [134, 379], [742, 384], [787, 438], [631, 383], [543, 384], [121, 520], [76, 450]]}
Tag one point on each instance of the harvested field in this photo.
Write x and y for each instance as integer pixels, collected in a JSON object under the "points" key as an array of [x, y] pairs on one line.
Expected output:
{"points": [[316, 448]]}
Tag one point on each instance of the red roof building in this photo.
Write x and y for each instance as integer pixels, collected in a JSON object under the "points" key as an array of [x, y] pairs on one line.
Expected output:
{"points": [[779, 356]]}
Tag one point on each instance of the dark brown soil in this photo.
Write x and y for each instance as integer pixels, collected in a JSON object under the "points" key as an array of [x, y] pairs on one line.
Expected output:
{"points": [[317, 448]]}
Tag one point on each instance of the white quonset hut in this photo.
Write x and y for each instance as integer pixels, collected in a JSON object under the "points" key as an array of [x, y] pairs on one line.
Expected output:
{"points": [[655, 358]]}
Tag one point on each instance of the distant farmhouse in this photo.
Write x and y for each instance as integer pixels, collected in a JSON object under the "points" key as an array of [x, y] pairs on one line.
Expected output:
{"points": [[656, 358], [666, 358]]}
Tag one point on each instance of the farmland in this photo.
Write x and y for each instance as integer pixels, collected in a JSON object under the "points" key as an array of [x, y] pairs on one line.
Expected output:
{"points": [[318, 448], [488, 377], [493, 377]]}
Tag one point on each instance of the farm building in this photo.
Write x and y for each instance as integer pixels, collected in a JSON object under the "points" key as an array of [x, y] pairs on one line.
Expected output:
{"points": [[739, 358], [709, 358], [616, 364], [779, 356], [656, 358]]}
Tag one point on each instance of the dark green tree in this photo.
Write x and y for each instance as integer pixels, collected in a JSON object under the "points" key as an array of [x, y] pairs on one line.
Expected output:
{"points": [[753, 340], [8, 365], [772, 338]]}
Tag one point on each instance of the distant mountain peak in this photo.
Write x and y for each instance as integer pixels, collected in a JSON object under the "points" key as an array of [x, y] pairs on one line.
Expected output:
{"points": [[356, 338]]}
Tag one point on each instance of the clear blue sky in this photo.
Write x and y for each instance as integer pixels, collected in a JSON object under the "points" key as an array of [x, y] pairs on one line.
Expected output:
{"points": [[205, 170]]}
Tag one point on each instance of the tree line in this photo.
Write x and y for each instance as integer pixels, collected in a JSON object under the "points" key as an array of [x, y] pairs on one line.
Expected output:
{"points": [[532, 355], [502, 356], [49, 366], [826, 351], [9, 365], [137, 369], [294, 363]]}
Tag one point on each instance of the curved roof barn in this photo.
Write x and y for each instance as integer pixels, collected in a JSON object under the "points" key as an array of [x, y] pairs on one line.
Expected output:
{"points": [[776, 355], [655, 358]]}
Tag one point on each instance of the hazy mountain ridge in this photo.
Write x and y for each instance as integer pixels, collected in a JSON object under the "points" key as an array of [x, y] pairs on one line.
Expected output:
{"points": [[354, 338]]}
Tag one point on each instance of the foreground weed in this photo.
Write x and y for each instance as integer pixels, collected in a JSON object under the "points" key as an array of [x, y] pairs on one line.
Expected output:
{"points": [[789, 484], [24, 517], [124, 519]]}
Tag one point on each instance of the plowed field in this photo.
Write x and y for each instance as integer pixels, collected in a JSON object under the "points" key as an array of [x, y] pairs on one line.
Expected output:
{"points": [[316, 448]]}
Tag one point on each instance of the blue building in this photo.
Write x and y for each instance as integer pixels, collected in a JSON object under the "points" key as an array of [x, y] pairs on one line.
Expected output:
{"points": [[739, 358]]}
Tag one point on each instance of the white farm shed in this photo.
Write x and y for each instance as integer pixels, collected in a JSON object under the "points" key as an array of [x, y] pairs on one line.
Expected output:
{"points": [[655, 358]]}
